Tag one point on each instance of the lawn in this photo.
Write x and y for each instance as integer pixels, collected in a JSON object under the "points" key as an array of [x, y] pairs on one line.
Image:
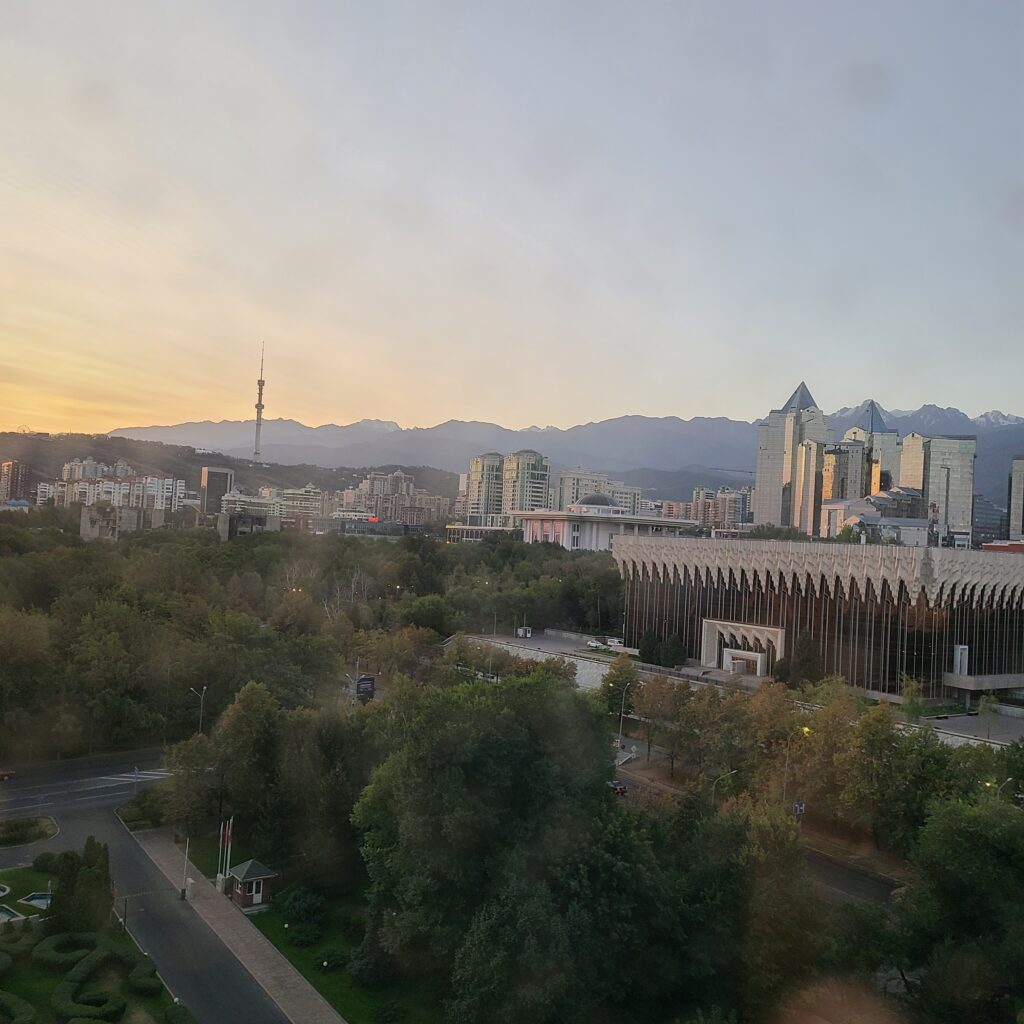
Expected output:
{"points": [[22, 882], [356, 1004]]}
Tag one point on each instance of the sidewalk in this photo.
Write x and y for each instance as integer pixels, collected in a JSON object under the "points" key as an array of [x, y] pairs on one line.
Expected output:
{"points": [[297, 999]]}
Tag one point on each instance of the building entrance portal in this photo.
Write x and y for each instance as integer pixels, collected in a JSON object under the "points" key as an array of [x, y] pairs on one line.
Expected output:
{"points": [[740, 647]]}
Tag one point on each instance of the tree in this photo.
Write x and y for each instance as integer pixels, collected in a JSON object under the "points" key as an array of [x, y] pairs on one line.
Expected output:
{"points": [[246, 740], [671, 652], [648, 648], [963, 953], [195, 786], [804, 665], [619, 685], [913, 705], [481, 785]]}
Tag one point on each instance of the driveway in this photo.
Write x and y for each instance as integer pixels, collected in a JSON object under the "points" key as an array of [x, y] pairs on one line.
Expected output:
{"points": [[81, 796]]}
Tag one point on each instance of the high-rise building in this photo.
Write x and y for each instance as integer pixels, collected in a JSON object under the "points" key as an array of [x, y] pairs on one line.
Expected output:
{"points": [[483, 490], [1016, 500], [13, 480], [572, 484], [525, 478], [782, 468], [881, 452], [942, 468], [214, 483]]}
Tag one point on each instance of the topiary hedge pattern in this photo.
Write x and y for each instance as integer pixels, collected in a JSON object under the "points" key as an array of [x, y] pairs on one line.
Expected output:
{"points": [[82, 954], [63, 949], [67, 1001]]}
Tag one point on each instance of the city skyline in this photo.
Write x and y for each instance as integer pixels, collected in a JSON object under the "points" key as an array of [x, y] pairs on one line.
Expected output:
{"points": [[453, 214]]}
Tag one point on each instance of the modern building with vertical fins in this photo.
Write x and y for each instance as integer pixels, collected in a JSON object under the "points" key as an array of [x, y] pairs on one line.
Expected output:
{"points": [[954, 620]]}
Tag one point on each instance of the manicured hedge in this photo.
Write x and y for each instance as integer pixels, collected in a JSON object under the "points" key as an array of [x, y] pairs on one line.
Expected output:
{"points": [[142, 977], [63, 949], [5, 962], [16, 943], [93, 1005], [16, 1010]]}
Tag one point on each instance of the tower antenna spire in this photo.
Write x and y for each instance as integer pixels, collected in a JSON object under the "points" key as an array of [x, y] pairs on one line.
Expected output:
{"points": [[259, 405]]}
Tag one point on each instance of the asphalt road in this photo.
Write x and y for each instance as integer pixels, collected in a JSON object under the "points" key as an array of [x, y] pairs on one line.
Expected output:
{"points": [[81, 796]]}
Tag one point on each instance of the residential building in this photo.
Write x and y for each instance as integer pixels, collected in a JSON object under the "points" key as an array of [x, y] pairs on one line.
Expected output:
{"points": [[1016, 500], [214, 483], [484, 489], [877, 614], [570, 485], [525, 479], [13, 480], [782, 466]]}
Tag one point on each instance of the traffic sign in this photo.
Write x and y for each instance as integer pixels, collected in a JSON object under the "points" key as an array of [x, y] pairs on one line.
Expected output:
{"points": [[799, 807]]}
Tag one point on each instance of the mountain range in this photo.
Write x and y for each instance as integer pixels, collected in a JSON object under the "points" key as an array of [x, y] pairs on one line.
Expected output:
{"points": [[707, 450]]}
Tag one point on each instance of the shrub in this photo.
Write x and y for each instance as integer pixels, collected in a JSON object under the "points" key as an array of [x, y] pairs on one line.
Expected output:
{"points": [[16, 1010], [93, 1005], [142, 977], [20, 942], [5, 962], [300, 905], [63, 949], [332, 960], [44, 862], [8, 928], [303, 935], [353, 924]]}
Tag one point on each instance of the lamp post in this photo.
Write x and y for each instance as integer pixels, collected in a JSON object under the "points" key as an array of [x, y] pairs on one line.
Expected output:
{"points": [[622, 710], [202, 702], [719, 779]]}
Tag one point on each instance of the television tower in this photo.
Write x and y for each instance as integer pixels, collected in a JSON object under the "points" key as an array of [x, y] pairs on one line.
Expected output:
{"points": [[259, 407]]}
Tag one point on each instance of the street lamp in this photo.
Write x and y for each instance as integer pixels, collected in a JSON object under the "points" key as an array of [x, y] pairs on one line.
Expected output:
{"points": [[622, 710], [806, 731], [719, 779], [202, 701]]}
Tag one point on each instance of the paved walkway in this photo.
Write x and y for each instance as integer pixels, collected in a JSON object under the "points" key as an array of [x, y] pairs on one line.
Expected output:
{"points": [[297, 999]]}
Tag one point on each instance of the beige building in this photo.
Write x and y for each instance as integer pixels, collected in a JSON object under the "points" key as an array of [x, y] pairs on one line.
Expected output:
{"points": [[881, 452], [781, 466], [1016, 500], [572, 484], [942, 468]]}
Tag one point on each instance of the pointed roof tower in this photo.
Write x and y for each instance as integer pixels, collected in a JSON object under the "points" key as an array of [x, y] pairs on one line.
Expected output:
{"points": [[800, 399], [872, 421]]}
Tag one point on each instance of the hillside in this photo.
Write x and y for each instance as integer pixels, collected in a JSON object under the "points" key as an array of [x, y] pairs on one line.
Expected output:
{"points": [[46, 455]]}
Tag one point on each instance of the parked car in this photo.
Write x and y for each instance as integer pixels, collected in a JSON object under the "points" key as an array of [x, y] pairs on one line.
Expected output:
{"points": [[595, 643], [614, 642], [617, 787], [7, 773]]}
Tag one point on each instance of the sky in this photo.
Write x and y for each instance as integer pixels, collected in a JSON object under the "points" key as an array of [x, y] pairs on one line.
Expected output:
{"points": [[525, 213]]}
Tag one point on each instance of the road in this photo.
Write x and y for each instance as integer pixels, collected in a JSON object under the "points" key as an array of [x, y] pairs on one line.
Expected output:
{"points": [[81, 796]]}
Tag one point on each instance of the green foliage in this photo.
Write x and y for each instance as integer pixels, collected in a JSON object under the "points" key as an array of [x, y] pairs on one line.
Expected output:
{"points": [[68, 1003], [83, 896], [670, 652], [648, 648], [63, 949], [619, 686], [15, 1010], [300, 905]]}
